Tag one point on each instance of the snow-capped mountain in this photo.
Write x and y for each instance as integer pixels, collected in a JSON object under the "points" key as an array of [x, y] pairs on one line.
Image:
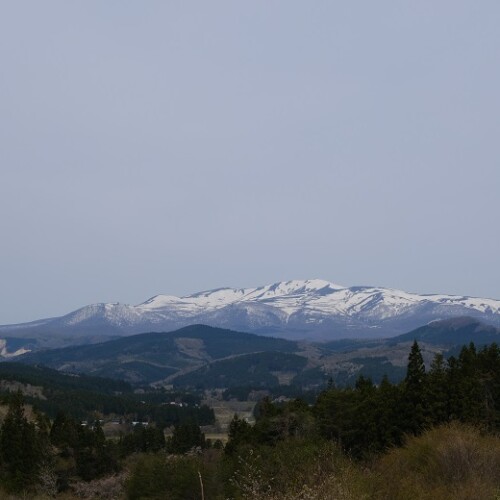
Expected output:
{"points": [[294, 309]]}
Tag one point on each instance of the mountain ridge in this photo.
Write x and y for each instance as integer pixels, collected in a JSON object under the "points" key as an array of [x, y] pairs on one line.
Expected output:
{"points": [[200, 355], [314, 309]]}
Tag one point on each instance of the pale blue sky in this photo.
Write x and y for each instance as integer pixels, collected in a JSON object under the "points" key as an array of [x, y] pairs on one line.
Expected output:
{"points": [[168, 147]]}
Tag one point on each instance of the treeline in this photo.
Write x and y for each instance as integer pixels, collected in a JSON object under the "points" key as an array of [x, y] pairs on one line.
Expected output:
{"points": [[252, 393], [256, 369], [293, 447], [85, 397], [37, 455], [371, 418], [87, 405], [53, 380], [367, 418]]}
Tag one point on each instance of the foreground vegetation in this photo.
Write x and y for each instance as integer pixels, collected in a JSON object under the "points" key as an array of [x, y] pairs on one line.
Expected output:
{"points": [[432, 436]]}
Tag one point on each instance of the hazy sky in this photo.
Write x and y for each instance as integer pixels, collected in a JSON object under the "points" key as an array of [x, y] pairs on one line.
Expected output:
{"points": [[172, 146]]}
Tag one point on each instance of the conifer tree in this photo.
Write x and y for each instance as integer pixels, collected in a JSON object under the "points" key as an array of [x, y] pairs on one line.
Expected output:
{"points": [[240, 432], [20, 448], [415, 374], [185, 437], [416, 404], [438, 391]]}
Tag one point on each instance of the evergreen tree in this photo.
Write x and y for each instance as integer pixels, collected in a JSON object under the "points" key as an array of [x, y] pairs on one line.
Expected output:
{"points": [[240, 432], [438, 391], [185, 437], [21, 451], [143, 439], [64, 432], [415, 373], [416, 404], [470, 387], [388, 413], [488, 360], [95, 456]]}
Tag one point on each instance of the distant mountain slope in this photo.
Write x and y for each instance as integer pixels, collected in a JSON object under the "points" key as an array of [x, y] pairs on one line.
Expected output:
{"points": [[293, 309], [57, 381], [265, 369], [455, 331], [153, 356], [203, 356]]}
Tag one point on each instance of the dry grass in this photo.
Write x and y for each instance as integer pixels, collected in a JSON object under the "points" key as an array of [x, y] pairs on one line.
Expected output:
{"points": [[225, 411], [300, 472], [453, 462]]}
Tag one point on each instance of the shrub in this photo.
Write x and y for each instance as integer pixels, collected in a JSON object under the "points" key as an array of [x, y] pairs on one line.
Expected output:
{"points": [[296, 469], [157, 477], [453, 461]]}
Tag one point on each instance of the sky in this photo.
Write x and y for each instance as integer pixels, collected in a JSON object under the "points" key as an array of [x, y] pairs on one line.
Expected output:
{"points": [[172, 146]]}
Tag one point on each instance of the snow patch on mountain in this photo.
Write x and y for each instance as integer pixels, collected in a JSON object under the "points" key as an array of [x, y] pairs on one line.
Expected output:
{"points": [[292, 308]]}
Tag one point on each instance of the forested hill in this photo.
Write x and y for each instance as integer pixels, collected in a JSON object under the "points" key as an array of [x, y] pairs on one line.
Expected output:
{"points": [[452, 332], [41, 376], [83, 397], [155, 356], [203, 356]]}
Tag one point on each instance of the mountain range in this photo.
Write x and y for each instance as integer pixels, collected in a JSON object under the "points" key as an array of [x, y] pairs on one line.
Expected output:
{"points": [[298, 309], [204, 356]]}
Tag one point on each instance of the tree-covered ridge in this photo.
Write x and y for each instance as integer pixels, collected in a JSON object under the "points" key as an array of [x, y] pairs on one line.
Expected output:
{"points": [[455, 331], [154, 356], [84, 397], [54, 380], [256, 370], [201, 351]]}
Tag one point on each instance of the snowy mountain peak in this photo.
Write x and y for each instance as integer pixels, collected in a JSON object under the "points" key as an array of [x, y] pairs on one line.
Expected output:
{"points": [[296, 308], [159, 301], [299, 287]]}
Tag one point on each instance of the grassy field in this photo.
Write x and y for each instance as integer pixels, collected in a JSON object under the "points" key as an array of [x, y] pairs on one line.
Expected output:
{"points": [[224, 413]]}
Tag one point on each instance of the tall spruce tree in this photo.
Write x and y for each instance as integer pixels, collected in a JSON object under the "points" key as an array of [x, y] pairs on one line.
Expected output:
{"points": [[21, 452], [438, 390], [415, 389], [415, 373]]}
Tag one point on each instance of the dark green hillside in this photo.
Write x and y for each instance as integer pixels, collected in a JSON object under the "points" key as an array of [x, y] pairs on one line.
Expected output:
{"points": [[256, 370], [375, 368], [456, 331], [135, 371], [57, 381], [83, 396], [220, 343], [349, 345], [149, 357], [203, 356]]}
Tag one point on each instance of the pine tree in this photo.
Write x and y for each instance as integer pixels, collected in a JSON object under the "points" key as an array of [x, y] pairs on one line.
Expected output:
{"points": [[240, 431], [471, 390], [415, 374], [488, 361], [415, 389], [185, 437], [21, 450], [438, 391]]}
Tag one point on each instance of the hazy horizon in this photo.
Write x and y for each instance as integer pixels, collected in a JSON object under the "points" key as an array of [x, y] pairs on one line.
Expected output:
{"points": [[168, 148]]}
